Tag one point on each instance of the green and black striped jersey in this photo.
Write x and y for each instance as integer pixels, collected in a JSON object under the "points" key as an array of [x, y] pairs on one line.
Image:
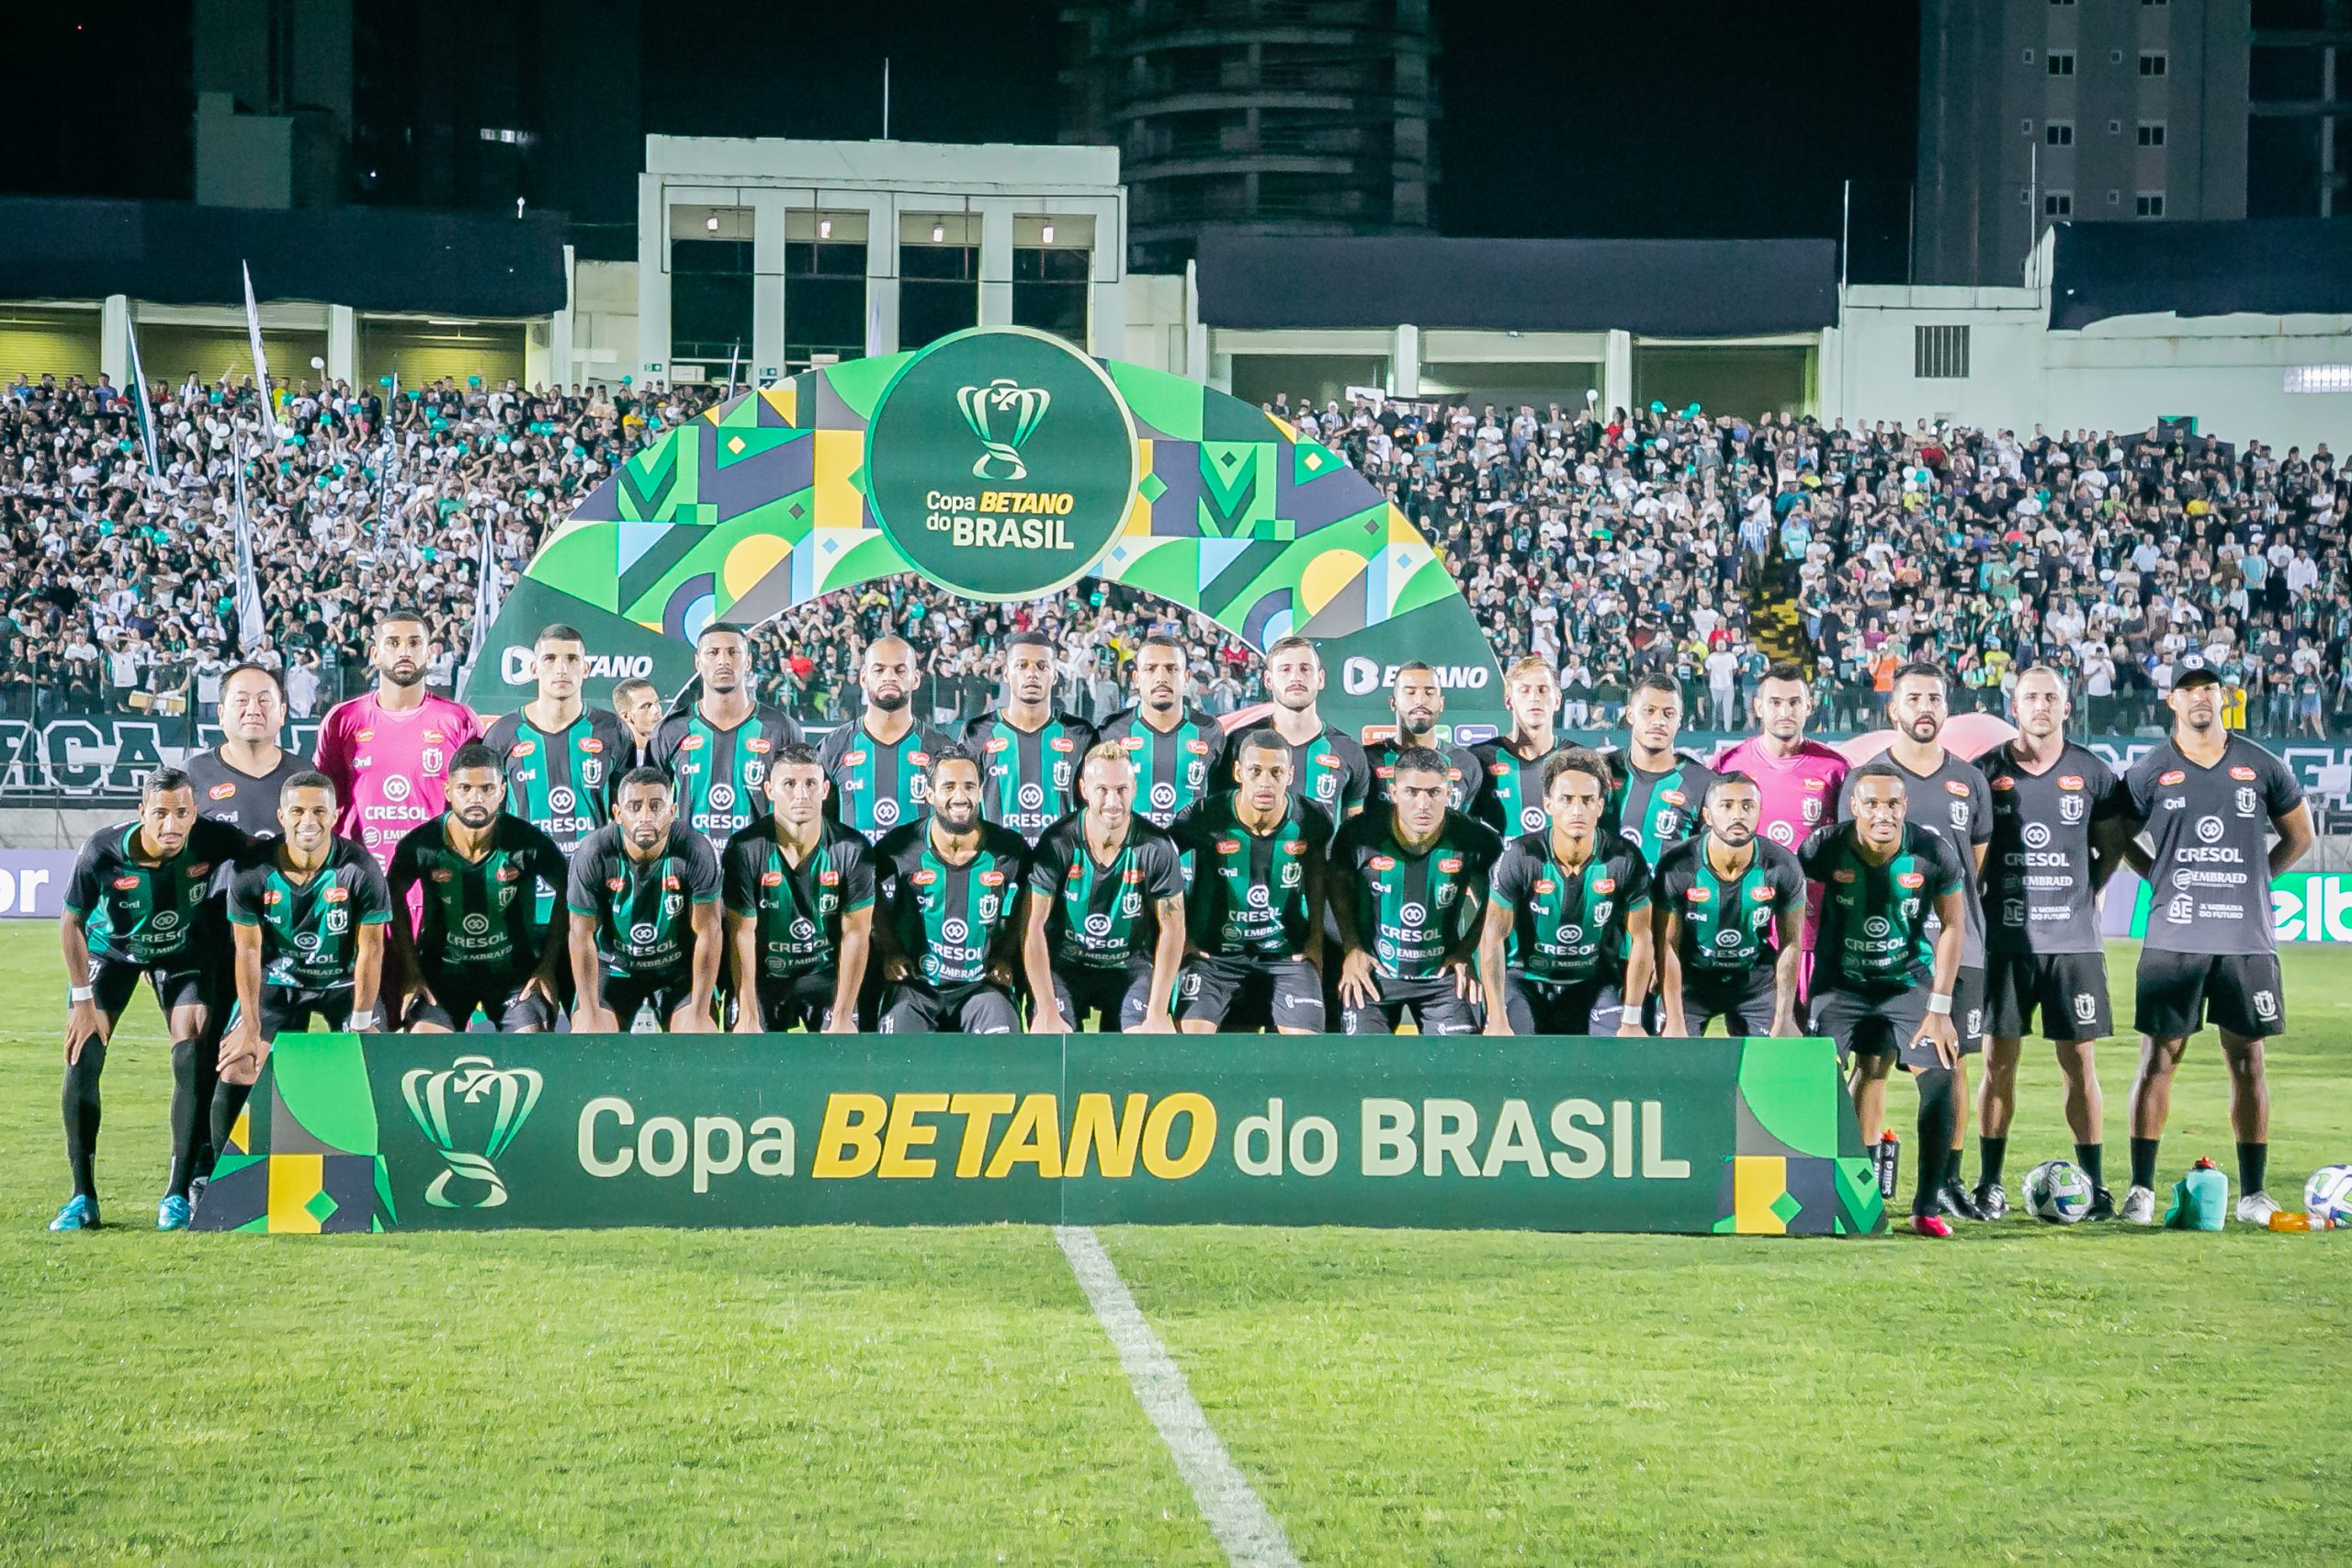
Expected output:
{"points": [[1253, 894], [1463, 771], [309, 926], [1727, 923], [561, 781], [718, 771], [1655, 811], [1173, 767], [1411, 910], [1511, 794], [878, 785], [1028, 777], [152, 914], [796, 910], [1874, 933], [948, 919], [644, 926], [1569, 922], [481, 917], [1103, 915]]}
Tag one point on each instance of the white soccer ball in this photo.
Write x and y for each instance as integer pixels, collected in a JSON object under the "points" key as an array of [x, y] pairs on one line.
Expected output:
{"points": [[2328, 1194], [2057, 1191]]}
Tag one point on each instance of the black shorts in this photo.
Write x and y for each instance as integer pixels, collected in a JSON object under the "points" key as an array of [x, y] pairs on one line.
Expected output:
{"points": [[1746, 1004], [2066, 990], [1968, 1017], [801, 1002], [500, 998], [178, 982], [626, 993], [1876, 1023], [2178, 991], [1119, 998], [290, 1009], [1240, 995], [1563, 1007], [961, 1010], [1437, 1008]]}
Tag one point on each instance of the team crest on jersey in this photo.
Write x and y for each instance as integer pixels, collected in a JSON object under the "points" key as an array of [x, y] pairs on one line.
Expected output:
{"points": [[1960, 814], [2071, 808], [1670, 824], [591, 772], [1293, 874], [1954, 786], [1601, 911], [1912, 879], [2247, 802], [986, 909], [430, 760], [1811, 810], [2243, 774], [2168, 779], [222, 790], [1446, 894], [753, 771], [522, 748]]}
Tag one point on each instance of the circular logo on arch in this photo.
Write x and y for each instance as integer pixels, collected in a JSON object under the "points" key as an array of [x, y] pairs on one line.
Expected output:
{"points": [[1000, 462]]}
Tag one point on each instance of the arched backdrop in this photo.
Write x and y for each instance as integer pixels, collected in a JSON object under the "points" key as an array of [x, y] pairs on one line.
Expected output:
{"points": [[1174, 488]]}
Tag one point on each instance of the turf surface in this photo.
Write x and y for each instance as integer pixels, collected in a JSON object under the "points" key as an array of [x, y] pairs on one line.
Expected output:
{"points": [[2022, 1394]]}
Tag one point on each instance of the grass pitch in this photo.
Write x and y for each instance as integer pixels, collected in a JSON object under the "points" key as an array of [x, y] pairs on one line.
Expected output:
{"points": [[2023, 1395]]}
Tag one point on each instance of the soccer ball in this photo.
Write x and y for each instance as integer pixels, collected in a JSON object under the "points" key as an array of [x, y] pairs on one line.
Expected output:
{"points": [[2328, 1194], [2058, 1191]]}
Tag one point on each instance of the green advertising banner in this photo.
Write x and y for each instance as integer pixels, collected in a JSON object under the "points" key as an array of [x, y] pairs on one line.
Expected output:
{"points": [[349, 1132]]}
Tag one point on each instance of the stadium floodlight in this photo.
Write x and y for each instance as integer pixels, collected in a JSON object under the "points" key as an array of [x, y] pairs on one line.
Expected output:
{"points": [[1048, 237], [938, 232], [711, 223], [2319, 379], [824, 228]]}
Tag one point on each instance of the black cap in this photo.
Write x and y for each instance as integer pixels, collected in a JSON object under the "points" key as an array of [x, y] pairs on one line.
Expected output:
{"points": [[2202, 675]]}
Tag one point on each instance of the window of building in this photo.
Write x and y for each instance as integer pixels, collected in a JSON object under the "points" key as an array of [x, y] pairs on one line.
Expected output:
{"points": [[2148, 204], [2062, 63], [710, 300], [2154, 62], [2059, 134], [2114, 197], [1049, 290], [2058, 204], [1940, 354], [2155, 2], [824, 289], [2151, 133], [2305, 379]]}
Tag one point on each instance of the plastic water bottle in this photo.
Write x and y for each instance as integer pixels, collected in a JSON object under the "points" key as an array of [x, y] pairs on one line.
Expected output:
{"points": [[2289, 1219], [1886, 1163]]}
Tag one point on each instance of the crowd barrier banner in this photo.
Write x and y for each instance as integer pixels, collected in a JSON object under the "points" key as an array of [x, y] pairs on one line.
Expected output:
{"points": [[348, 1133], [2306, 905], [101, 759], [32, 882]]}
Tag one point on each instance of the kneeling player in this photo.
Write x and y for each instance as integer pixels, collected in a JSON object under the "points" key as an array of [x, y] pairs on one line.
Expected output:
{"points": [[480, 944], [1881, 877], [1565, 947], [799, 896], [950, 887], [1407, 881], [644, 906], [1105, 934], [1731, 913], [1254, 917]]}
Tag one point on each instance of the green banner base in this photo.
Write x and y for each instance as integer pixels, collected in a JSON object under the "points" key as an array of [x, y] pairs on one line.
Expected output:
{"points": [[348, 1133]]}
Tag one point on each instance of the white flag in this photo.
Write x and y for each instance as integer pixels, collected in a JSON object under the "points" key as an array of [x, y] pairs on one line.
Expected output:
{"points": [[486, 595], [146, 409], [252, 626], [261, 360]]}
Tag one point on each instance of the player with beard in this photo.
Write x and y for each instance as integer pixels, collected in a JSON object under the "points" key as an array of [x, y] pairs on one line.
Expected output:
{"points": [[952, 899], [717, 751], [1510, 788], [482, 943], [1179, 753], [1255, 914], [1407, 881], [1730, 917], [643, 900], [1567, 947], [2210, 801], [387, 753], [1800, 780], [1329, 768], [1029, 753], [239, 781], [560, 756], [1418, 702], [799, 896], [1105, 932], [1658, 796], [881, 766]]}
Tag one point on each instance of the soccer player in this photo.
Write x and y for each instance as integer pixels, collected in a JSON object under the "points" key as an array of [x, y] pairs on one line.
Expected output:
{"points": [[643, 899], [1176, 751], [482, 942], [1799, 779], [717, 752], [2210, 800], [307, 911], [239, 781], [1408, 881], [1418, 702], [1730, 911], [1658, 796], [1881, 986], [1254, 914], [1511, 789], [1567, 946], [799, 890], [1105, 933], [881, 765], [1029, 753], [388, 752], [1329, 768], [2060, 819], [638, 704], [951, 893], [1947, 797], [560, 756], [136, 908]]}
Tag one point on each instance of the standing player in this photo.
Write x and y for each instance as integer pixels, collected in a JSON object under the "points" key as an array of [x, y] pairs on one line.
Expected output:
{"points": [[1029, 753], [1881, 986], [1418, 702], [1511, 787], [1730, 922], [239, 781], [951, 916], [1799, 779], [798, 888], [717, 752], [482, 942], [2210, 801], [137, 908], [881, 766], [2060, 818], [643, 899], [1105, 932], [1567, 946], [1329, 768], [1407, 881], [1656, 802], [1948, 798], [1177, 751], [387, 753], [638, 704], [560, 756], [1255, 913]]}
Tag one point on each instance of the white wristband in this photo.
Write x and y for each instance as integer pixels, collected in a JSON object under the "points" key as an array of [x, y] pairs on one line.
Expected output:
{"points": [[365, 1019], [80, 993], [1940, 1002]]}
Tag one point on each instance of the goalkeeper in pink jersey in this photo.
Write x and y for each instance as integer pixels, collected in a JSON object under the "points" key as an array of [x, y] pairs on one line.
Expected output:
{"points": [[388, 752], [1800, 780]]}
